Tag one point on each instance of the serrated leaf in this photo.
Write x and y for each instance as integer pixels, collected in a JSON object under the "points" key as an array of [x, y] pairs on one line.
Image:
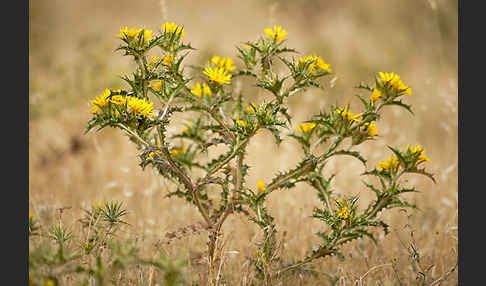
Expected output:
{"points": [[422, 172], [351, 153], [400, 103]]}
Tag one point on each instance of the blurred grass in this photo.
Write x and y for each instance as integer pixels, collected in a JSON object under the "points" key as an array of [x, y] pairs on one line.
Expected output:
{"points": [[72, 60]]}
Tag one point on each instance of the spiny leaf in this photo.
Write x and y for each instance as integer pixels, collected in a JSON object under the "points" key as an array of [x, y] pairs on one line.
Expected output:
{"points": [[422, 172], [351, 153]]}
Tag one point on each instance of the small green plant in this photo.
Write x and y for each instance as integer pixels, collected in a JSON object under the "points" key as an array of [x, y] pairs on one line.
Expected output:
{"points": [[97, 255], [215, 183]]}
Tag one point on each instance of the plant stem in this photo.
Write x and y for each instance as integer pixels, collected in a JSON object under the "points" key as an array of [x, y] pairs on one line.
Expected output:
{"points": [[133, 134], [304, 170]]}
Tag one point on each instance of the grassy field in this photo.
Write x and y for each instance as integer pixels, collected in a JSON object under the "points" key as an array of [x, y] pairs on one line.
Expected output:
{"points": [[72, 60]]}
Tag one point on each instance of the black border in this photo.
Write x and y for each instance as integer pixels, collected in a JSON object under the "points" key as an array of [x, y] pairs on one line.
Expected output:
{"points": [[15, 132]]}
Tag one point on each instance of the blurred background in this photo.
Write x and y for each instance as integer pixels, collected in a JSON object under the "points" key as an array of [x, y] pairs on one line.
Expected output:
{"points": [[72, 60]]}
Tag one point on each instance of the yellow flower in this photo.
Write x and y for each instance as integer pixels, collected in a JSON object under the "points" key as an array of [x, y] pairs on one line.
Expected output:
{"points": [[168, 59], [391, 163], [151, 154], [201, 91], [376, 95], [371, 128], [316, 62], [118, 100], [343, 209], [157, 85], [241, 122], [147, 35], [140, 106], [247, 46], [131, 33], [100, 101], [171, 28], [390, 78], [394, 81], [250, 109], [153, 61], [49, 282], [402, 88], [340, 201], [306, 127], [219, 75], [99, 205], [225, 63], [186, 128], [277, 33], [128, 33], [261, 186], [419, 149], [345, 114], [343, 213], [177, 151], [30, 215]]}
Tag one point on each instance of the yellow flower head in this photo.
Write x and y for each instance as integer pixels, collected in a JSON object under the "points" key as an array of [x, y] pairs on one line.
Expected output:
{"points": [[343, 213], [219, 75], [340, 202], [140, 107], [261, 186], [343, 209], [186, 128], [277, 33], [30, 215], [402, 88], [394, 81], [100, 101], [153, 61], [250, 109], [241, 122], [225, 63], [177, 151], [306, 127], [98, 205], [376, 95], [171, 28], [419, 149], [151, 154], [317, 62], [247, 46], [168, 60], [128, 33], [201, 91], [147, 35], [389, 78], [132, 33], [371, 129], [391, 163], [345, 114], [103, 99], [49, 282], [157, 85]]}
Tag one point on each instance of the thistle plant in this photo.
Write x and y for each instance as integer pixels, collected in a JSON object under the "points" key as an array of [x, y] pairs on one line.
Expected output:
{"points": [[216, 184]]}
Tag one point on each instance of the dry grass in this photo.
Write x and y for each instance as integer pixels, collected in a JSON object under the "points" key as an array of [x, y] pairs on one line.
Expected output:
{"points": [[71, 61]]}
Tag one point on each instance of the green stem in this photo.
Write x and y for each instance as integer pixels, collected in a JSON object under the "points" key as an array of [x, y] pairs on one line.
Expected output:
{"points": [[221, 164]]}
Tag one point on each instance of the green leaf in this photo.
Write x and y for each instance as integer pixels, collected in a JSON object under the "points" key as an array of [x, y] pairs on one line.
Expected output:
{"points": [[400, 103], [355, 154], [422, 172]]}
